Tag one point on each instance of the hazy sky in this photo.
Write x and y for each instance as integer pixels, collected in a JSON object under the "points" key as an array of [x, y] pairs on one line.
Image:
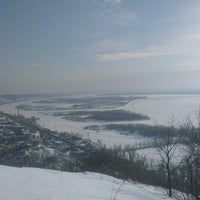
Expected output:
{"points": [[61, 46]]}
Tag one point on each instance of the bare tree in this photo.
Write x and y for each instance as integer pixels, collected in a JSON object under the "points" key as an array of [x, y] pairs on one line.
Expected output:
{"points": [[192, 158], [166, 148]]}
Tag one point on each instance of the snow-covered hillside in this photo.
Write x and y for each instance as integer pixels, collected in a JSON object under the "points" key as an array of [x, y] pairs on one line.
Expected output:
{"points": [[40, 184]]}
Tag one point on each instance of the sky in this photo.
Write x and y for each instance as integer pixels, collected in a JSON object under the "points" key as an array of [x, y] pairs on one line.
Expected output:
{"points": [[81, 46]]}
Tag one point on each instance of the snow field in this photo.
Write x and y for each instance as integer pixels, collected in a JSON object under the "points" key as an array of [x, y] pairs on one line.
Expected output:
{"points": [[41, 184]]}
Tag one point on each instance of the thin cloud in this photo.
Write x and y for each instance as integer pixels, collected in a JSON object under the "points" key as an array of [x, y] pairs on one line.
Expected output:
{"points": [[192, 13], [116, 17], [187, 67], [114, 2], [128, 55], [110, 11], [192, 37], [109, 45], [126, 19], [145, 54], [182, 45]]}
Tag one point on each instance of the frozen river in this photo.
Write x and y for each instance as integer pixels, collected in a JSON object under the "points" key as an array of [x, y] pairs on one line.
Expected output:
{"points": [[160, 108]]}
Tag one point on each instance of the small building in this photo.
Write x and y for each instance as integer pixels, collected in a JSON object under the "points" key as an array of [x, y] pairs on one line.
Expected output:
{"points": [[35, 136]]}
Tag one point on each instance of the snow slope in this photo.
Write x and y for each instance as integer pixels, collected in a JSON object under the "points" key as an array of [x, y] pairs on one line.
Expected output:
{"points": [[40, 184]]}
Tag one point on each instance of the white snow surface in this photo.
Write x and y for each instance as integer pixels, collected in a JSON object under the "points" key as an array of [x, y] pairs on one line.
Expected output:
{"points": [[160, 108], [42, 184]]}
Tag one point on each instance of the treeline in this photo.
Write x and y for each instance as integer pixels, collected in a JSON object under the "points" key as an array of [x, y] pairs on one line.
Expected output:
{"points": [[122, 163], [106, 115], [140, 129], [155, 131]]}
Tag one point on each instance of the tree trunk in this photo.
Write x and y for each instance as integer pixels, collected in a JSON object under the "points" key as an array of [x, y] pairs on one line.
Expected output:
{"points": [[169, 180]]}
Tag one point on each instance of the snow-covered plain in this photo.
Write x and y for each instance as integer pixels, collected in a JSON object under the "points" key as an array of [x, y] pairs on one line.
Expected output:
{"points": [[40, 184]]}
